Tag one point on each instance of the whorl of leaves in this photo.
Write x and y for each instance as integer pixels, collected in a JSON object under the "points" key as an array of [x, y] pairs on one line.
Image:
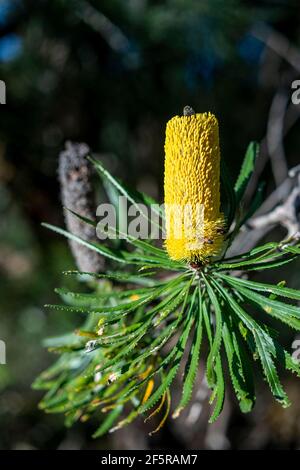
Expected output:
{"points": [[151, 318]]}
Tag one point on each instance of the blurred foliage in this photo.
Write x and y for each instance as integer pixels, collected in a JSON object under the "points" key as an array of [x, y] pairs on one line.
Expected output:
{"points": [[110, 73]]}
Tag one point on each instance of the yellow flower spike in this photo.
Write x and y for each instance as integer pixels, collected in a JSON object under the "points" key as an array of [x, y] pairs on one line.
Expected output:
{"points": [[194, 223]]}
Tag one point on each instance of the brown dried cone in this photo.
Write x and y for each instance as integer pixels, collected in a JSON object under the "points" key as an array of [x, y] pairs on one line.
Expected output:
{"points": [[75, 176]]}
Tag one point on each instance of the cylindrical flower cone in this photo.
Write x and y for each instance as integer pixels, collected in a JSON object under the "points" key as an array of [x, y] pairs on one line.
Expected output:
{"points": [[194, 222]]}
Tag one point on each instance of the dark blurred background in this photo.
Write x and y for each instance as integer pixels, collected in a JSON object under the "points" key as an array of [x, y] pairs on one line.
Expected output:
{"points": [[111, 73]]}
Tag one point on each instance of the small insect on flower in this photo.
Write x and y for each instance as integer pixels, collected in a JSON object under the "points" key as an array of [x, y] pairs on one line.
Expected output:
{"points": [[195, 226]]}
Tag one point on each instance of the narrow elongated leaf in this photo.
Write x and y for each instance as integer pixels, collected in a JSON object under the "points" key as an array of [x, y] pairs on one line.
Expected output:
{"points": [[218, 392], [286, 313], [236, 368], [117, 359], [263, 250], [139, 243], [141, 279], [124, 422], [108, 422], [292, 249], [99, 300], [269, 368], [265, 348], [101, 249], [217, 339], [255, 204], [246, 367], [246, 170], [192, 363], [218, 387], [124, 191], [230, 194], [262, 287], [170, 375], [276, 260]]}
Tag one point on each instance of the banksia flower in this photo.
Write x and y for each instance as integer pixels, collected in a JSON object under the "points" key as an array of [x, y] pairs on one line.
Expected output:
{"points": [[141, 329], [194, 223], [75, 175]]}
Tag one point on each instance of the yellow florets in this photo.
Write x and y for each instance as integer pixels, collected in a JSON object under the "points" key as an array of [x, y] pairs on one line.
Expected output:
{"points": [[194, 223]]}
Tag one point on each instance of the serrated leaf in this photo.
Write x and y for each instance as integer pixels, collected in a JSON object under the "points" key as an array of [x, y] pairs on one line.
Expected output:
{"points": [[263, 250], [218, 392], [170, 375], [129, 194], [262, 287], [269, 368], [192, 363], [230, 194], [143, 245], [141, 279], [284, 312], [245, 364], [236, 368], [255, 204], [247, 169], [253, 265], [265, 348], [101, 249], [217, 337]]}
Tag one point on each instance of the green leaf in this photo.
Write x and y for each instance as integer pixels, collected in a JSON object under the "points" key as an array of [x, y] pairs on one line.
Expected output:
{"points": [[218, 392], [167, 304], [218, 386], [192, 363], [170, 375], [254, 265], [229, 193], [263, 345], [264, 250], [246, 367], [255, 204], [262, 287], [292, 249], [284, 312], [246, 170], [129, 194], [102, 250], [285, 359], [108, 422], [265, 348], [158, 255], [63, 340], [86, 220], [251, 255], [236, 367], [124, 422], [113, 191], [217, 340], [153, 262], [120, 277], [166, 333]]}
